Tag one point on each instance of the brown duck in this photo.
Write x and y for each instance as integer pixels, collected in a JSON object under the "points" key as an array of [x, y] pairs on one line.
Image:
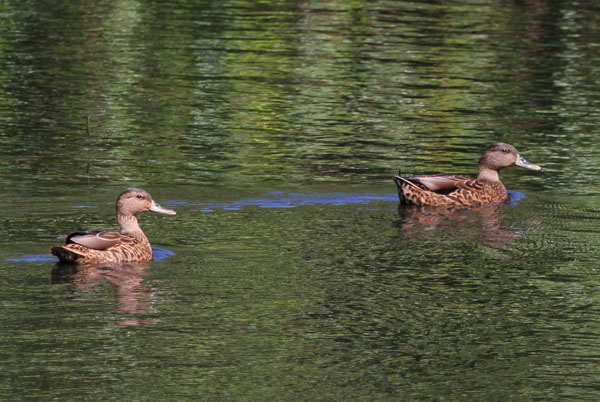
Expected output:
{"points": [[462, 191], [130, 244]]}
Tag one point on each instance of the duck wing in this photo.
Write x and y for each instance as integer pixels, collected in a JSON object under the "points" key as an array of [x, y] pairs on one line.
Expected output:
{"points": [[96, 239], [440, 183]]}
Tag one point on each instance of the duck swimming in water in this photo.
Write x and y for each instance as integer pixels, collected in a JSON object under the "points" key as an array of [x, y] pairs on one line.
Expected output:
{"points": [[463, 191], [130, 244]]}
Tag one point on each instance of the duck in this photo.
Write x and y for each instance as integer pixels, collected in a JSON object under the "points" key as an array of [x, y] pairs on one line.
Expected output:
{"points": [[130, 244], [449, 190]]}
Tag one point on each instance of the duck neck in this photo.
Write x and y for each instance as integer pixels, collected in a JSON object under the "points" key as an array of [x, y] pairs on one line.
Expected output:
{"points": [[131, 227], [487, 174]]}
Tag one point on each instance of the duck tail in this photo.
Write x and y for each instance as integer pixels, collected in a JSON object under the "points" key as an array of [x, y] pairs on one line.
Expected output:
{"points": [[399, 180], [65, 255]]}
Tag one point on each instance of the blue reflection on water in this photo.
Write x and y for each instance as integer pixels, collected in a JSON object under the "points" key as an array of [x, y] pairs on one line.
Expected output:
{"points": [[160, 254], [34, 258], [514, 197], [278, 199]]}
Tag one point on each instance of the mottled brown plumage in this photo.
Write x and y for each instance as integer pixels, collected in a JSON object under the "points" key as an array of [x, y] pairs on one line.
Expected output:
{"points": [[463, 191], [130, 244]]}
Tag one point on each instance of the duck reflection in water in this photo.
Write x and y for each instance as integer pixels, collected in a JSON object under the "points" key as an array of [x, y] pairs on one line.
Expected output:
{"points": [[483, 223], [133, 295]]}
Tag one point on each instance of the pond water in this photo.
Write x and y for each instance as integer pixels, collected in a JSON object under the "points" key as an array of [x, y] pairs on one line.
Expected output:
{"points": [[290, 272]]}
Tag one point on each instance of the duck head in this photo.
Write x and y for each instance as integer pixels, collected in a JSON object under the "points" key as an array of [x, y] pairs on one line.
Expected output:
{"points": [[500, 155], [134, 201]]}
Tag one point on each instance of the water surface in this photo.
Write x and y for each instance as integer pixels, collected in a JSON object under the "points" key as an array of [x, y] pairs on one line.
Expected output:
{"points": [[290, 272]]}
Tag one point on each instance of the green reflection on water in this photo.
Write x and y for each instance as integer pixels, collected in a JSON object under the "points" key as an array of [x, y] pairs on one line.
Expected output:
{"points": [[276, 93]]}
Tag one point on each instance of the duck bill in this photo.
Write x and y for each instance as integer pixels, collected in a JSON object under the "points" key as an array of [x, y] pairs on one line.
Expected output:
{"points": [[161, 210], [527, 165]]}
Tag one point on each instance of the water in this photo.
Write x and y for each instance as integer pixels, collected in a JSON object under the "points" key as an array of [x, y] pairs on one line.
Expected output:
{"points": [[290, 272]]}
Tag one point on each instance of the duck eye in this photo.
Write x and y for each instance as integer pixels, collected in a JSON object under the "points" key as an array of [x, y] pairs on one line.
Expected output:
{"points": [[505, 150], [139, 196]]}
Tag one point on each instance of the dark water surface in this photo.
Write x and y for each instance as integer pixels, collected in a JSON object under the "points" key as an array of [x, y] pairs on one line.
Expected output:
{"points": [[290, 272]]}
